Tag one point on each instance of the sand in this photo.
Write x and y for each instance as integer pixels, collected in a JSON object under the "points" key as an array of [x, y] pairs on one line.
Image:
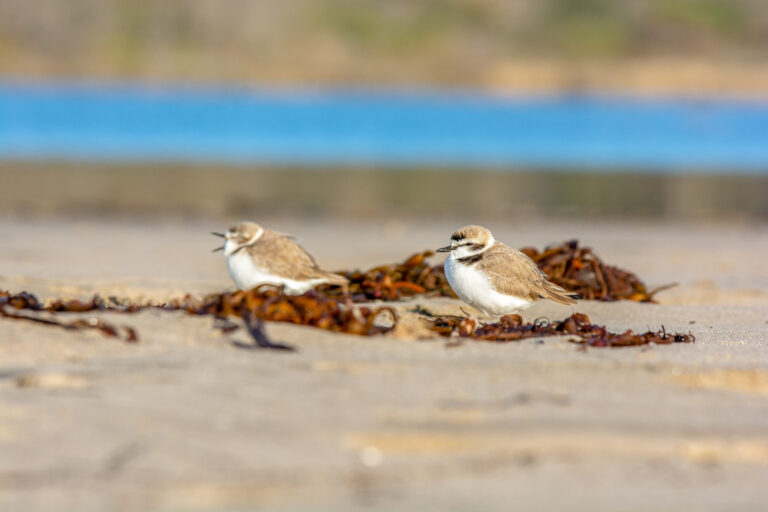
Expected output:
{"points": [[185, 420]]}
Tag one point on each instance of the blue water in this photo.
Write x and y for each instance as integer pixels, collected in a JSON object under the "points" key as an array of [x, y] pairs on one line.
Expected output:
{"points": [[118, 123]]}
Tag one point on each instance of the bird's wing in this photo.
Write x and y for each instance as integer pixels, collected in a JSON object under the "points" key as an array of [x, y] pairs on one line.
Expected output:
{"points": [[282, 256], [513, 273]]}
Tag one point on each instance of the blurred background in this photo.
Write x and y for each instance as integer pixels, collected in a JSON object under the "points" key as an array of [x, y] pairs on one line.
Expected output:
{"points": [[450, 108]]}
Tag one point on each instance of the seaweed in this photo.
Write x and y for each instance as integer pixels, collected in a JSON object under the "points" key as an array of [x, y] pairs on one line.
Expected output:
{"points": [[269, 303], [577, 326], [577, 269], [266, 302], [129, 334], [414, 276], [255, 327], [580, 270]]}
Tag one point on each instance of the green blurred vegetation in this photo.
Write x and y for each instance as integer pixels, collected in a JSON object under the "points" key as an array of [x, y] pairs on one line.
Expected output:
{"points": [[719, 17], [412, 28], [589, 28], [362, 40]]}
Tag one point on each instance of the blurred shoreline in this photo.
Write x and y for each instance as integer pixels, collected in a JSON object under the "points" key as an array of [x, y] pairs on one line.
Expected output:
{"points": [[642, 78], [217, 190]]}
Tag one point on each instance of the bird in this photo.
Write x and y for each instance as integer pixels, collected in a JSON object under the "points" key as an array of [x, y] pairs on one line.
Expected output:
{"points": [[256, 256], [494, 278]]}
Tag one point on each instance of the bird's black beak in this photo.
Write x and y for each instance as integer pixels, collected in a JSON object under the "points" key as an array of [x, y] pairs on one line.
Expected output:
{"points": [[221, 235], [444, 249]]}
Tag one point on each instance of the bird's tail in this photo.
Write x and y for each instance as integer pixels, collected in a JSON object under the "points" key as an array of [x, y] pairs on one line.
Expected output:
{"points": [[335, 279], [557, 294], [339, 280]]}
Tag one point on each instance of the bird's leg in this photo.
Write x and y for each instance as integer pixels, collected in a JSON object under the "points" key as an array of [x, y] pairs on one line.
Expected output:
{"points": [[483, 318], [475, 319], [468, 325], [347, 296]]}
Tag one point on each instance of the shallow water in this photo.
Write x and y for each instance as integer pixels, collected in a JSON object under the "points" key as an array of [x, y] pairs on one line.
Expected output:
{"points": [[121, 122]]}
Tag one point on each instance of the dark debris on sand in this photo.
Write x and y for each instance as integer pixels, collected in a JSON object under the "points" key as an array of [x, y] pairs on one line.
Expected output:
{"points": [[265, 303], [12, 305], [578, 326], [269, 303]]}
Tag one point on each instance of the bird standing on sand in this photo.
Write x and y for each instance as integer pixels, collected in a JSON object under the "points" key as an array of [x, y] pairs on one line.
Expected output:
{"points": [[258, 256], [494, 278]]}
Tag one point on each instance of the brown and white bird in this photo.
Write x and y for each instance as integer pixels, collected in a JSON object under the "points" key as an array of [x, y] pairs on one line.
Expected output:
{"points": [[494, 278], [261, 256]]}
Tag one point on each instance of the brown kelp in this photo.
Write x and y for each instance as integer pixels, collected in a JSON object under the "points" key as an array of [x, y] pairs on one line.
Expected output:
{"points": [[577, 326], [414, 276], [11, 306], [253, 306], [580, 270], [270, 303], [575, 268]]}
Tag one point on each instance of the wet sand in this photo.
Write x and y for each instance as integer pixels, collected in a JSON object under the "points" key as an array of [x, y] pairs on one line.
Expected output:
{"points": [[185, 420]]}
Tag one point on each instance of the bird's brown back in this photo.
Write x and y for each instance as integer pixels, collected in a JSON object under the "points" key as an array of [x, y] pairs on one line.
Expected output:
{"points": [[281, 255], [513, 273]]}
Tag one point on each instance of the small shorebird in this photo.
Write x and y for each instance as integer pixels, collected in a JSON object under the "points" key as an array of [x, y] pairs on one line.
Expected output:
{"points": [[494, 278], [260, 256]]}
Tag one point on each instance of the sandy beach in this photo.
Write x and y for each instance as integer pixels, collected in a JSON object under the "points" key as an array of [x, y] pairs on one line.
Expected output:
{"points": [[186, 420]]}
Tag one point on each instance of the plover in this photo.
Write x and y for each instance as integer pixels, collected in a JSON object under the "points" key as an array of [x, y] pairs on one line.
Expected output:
{"points": [[261, 256], [494, 278]]}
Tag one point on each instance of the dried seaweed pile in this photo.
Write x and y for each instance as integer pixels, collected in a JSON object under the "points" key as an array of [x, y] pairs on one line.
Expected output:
{"points": [[316, 310], [269, 303], [412, 277], [579, 270], [264, 303], [575, 268], [578, 325], [11, 306]]}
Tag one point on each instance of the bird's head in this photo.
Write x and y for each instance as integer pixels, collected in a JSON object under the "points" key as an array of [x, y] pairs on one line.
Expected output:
{"points": [[239, 236], [469, 241]]}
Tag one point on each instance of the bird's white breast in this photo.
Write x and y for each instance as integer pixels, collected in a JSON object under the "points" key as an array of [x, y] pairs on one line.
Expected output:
{"points": [[474, 287], [246, 275]]}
